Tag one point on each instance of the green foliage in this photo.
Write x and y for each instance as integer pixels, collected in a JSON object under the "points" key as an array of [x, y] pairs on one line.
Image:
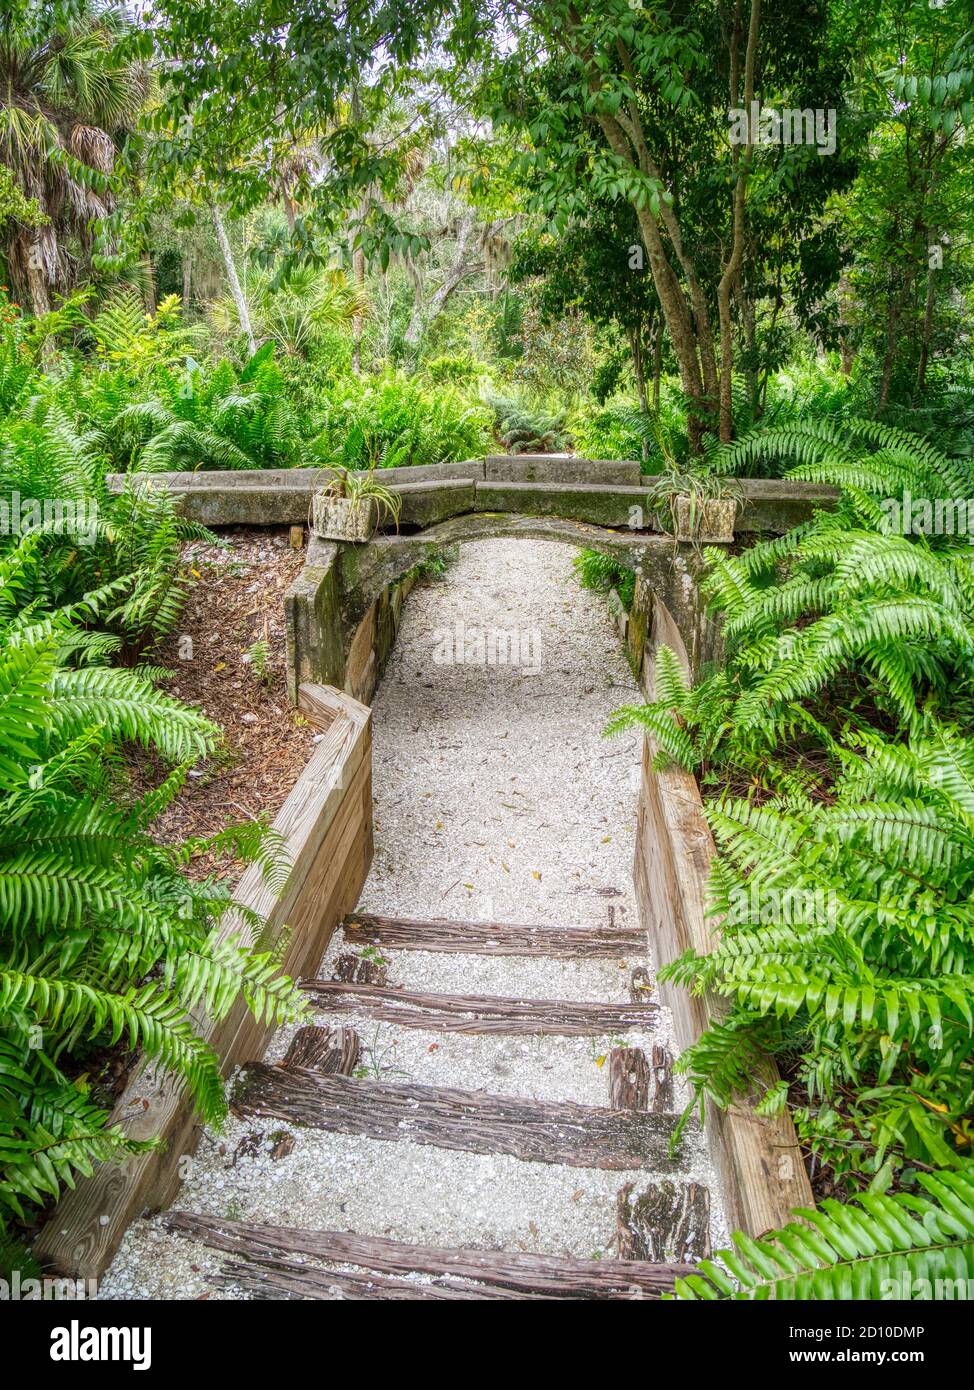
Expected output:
{"points": [[620, 430], [601, 572], [880, 1247], [526, 430], [391, 420], [221, 418], [103, 939], [105, 942], [838, 729]]}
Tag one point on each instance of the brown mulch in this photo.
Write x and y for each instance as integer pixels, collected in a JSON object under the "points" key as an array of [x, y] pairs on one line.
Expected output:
{"points": [[237, 599]]}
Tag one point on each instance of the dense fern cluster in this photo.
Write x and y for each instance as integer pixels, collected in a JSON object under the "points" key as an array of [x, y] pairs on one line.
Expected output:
{"points": [[837, 744], [104, 939], [524, 429]]}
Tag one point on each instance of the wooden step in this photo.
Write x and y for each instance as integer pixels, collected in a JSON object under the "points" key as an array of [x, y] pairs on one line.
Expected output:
{"points": [[493, 938], [278, 1278], [480, 1013], [580, 1136], [520, 1273]]}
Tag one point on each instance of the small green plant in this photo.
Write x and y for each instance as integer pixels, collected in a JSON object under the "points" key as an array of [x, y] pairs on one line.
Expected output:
{"points": [[435, 564], [260, 656], [601, 572], [354, 486]]}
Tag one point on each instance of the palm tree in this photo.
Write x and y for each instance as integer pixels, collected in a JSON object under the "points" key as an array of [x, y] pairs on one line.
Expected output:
{"points": [[67, 96]]}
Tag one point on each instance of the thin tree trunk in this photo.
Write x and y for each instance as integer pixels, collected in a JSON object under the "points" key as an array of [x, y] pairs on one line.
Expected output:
{"points": [[240, 303], [892, 326], [845, 325], [927, 333], [187, 280], [732, 269], [151, 299], [657, 364], [358, 320], [462, 266], [636, 351], [751, 375]]}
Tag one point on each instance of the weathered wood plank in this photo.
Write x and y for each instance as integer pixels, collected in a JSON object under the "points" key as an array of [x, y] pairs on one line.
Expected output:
{"points": [[628, 1079], [360, 970], [664, 1222], [328, 1050], [286, 1279], [580, 1136], [662, 1079], [553, 1276], [493, 938], [480, 1013]]}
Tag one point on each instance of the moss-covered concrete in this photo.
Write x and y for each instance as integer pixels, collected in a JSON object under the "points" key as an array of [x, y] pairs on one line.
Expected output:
{"points": [[592, 503], [560, 468]]}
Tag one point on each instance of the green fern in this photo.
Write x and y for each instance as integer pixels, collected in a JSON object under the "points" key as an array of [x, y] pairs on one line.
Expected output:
{"points": [[879, 1247]]}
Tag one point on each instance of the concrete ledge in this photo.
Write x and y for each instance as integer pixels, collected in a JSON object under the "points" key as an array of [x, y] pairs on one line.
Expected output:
{"points": [[591, 503], [326, 823], [427, 503], [776, 505], [594, 491], [560, 468]]}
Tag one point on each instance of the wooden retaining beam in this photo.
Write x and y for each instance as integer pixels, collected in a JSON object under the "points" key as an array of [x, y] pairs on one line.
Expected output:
{"points": [[326, 825], [493, 938], [480, 1013], [579, 1136], [758, 1156], [548, 1276]]}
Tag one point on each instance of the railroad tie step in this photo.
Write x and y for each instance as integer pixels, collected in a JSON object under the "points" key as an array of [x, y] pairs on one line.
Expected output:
{"points": [[480, 1013], [562, 1132], [492, 938], [262, 1260]]}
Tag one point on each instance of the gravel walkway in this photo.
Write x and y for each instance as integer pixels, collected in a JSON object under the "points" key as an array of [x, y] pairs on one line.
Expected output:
{"points": [[496, 798]]}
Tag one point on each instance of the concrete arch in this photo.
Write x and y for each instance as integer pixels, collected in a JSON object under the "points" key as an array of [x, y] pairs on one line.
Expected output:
{"points": [[343, 611]]}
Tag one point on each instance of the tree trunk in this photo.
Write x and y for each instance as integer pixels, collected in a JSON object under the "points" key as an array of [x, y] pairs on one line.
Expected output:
{"points": [[889, 358], [927, 333], [462, 266], [732, 269], [636, 352], [240, 303], [358, 321], [845, 325], [151, 298], [657, 364], [33, 268]]}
